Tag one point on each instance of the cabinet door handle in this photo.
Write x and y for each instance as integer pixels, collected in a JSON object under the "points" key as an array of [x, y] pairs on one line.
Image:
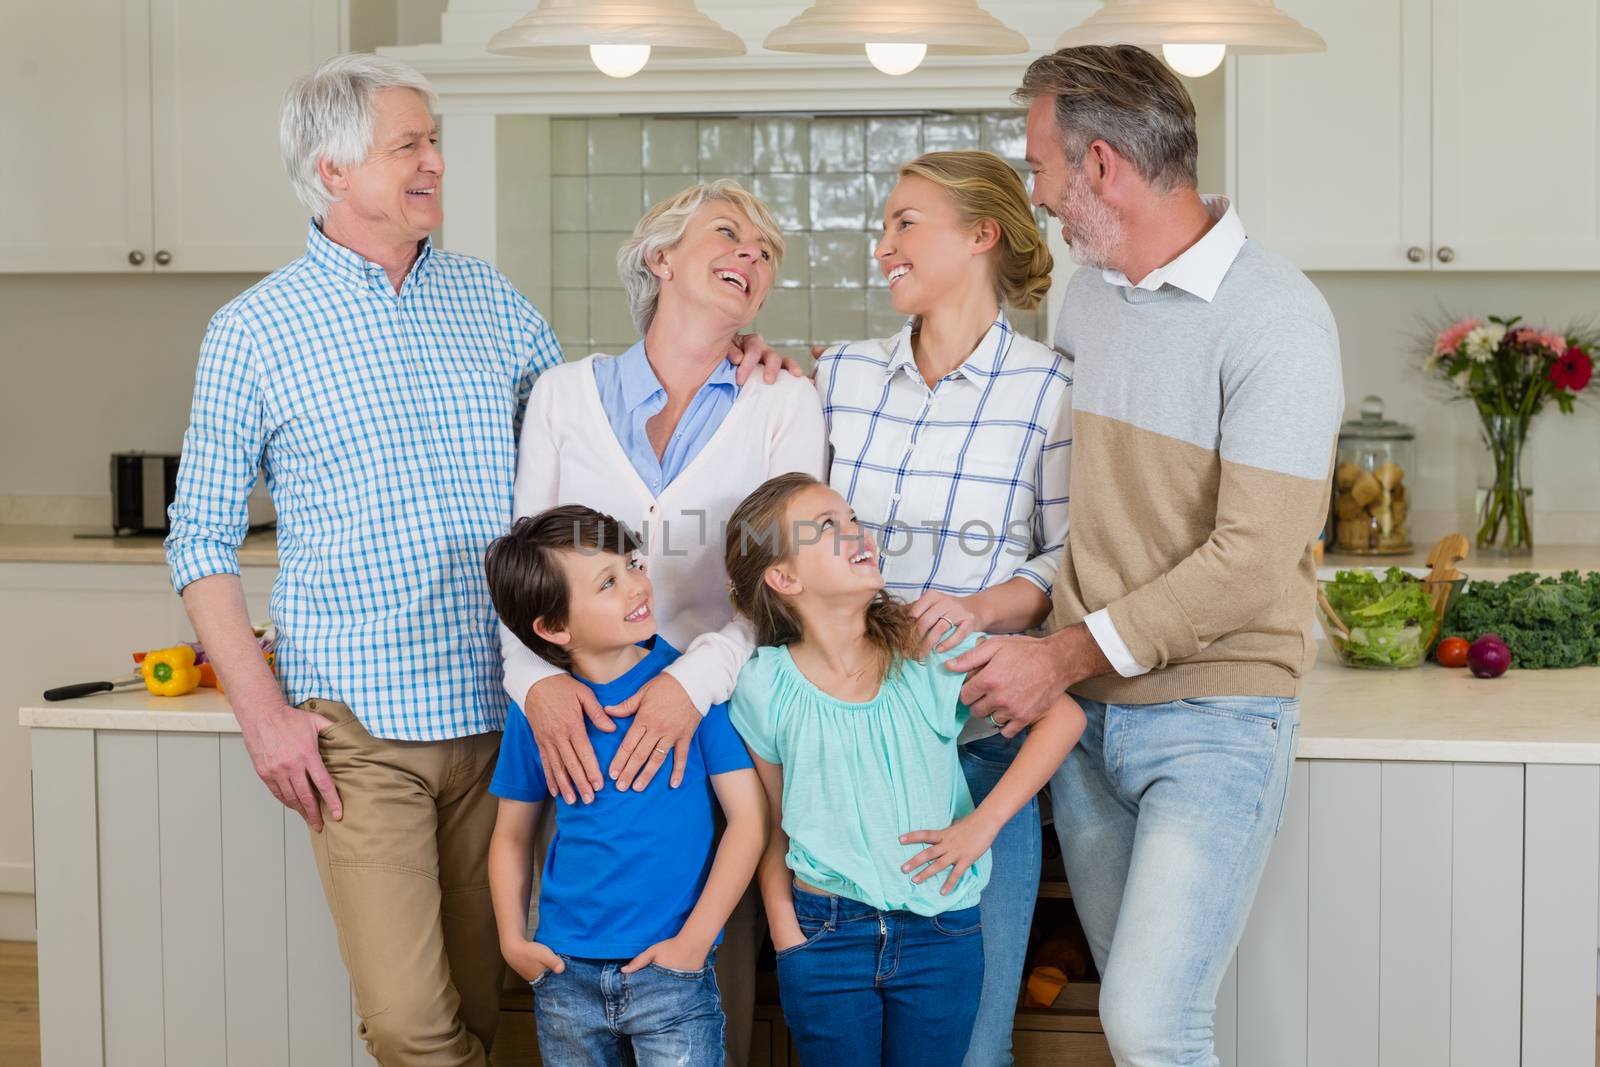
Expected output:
{"points": [[1446, 254], [136, 257], [163, 257], [1415, 254]]}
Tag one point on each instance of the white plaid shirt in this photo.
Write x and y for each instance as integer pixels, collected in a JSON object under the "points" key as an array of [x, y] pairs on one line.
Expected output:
{"points": [[387, 426], [964, 485]]}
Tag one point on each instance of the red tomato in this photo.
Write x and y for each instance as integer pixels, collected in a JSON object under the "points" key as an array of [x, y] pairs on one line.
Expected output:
{"points": [[1452, 652]]}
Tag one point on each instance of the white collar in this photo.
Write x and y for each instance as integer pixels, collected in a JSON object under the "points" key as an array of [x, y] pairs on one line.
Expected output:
{"points": [[1200, 268]]}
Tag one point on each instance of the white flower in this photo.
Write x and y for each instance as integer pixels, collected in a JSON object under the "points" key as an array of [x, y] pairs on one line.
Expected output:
{"points": [[1431, 363], [1462, 378], [1481, 343]]}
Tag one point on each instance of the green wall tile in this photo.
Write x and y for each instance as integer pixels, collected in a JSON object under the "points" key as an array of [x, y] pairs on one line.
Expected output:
{"points": [[882, 319], [569, 313], [839, 202], [609, 322], [836, 261], [788, 196], [603, 260], [569, 146], [838, 315], [615, 146], [780, 146], [669, 146], [943, 133], [726, 146], [569, 204], [614, 202], [838, 146], [569, 259], [795, 273], [786, 317], [892, 143]]}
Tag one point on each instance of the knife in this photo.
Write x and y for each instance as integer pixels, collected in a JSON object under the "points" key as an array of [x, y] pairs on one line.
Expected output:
{"points": [[83, 689]]}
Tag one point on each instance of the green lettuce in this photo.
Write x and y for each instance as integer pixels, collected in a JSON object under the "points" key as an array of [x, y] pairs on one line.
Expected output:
{"points": [[1389, 618]]}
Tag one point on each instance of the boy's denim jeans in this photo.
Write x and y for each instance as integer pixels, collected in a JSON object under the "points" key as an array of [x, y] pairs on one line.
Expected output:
{"points": [[1007, 904], [870, 987], [1166, 813], [593, 1015]]}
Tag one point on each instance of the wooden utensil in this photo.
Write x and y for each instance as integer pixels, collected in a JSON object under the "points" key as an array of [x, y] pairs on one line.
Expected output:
{"points": [[1331, 615], [1443, 557]]}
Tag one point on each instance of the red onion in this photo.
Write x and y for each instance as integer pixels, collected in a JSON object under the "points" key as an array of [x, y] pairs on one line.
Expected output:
{"points": [[1488, 657]]}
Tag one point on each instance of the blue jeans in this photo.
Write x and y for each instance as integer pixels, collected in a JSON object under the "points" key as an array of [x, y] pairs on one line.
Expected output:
{"points": [[593, 1015], [870, 987], [1007, 904], [1166, 813]]}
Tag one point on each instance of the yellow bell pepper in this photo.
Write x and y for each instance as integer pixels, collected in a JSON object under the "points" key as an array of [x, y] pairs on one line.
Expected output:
{"points": [[170, 672]]}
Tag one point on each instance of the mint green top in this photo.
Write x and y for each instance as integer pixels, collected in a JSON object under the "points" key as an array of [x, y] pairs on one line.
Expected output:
{"points": [[857, 776]]}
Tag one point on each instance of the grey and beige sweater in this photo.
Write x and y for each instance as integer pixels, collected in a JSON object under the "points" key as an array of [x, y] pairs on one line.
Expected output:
{"points": [[1203, 440]]}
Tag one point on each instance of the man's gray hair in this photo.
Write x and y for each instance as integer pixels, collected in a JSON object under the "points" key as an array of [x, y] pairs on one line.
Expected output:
{"points": [[328, 114], [664, 226], [1126, 97]]}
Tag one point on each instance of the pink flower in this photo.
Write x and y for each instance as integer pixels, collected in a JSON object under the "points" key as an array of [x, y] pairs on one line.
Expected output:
{"points": [[1572, 370], [1450, 337]]}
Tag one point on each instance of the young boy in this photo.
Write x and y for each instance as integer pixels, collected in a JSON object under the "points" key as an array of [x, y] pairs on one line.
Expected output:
{"points": [[631, 902]]}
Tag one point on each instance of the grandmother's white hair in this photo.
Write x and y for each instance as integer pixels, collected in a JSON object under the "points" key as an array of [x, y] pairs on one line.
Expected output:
{"points": [[664, 226], [328, 114]]}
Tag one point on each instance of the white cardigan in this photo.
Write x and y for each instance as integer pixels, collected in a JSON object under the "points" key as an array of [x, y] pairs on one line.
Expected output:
{"points": [[569, 455]]}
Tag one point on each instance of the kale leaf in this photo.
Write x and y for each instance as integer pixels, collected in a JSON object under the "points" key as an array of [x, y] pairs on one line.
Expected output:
{"points": [[1546, 622]]}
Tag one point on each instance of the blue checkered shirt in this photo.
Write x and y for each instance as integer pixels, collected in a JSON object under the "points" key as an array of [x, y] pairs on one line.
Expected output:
{"points": [[387, 427], [963, 485]]}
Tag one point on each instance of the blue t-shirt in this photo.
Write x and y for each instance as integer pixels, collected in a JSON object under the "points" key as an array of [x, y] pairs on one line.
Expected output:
{"points": [[624, 872]]}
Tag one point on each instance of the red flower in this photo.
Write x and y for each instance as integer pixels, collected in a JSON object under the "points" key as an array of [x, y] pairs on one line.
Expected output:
{"points": [[1572, 370]]}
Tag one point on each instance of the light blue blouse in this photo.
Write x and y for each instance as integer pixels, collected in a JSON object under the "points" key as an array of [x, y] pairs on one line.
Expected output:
{"points": [[632, 395]]}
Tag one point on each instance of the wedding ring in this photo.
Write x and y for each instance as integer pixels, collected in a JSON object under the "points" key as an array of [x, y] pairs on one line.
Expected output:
{"points": [[661, 751]]}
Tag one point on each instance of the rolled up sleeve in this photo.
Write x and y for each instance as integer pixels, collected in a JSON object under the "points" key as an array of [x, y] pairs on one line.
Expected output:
{"points": [[222, 453], [1052, 478]]}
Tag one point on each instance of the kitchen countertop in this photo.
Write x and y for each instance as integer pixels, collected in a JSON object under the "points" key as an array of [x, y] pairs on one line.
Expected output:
{"points": [[1546, 559], [56, 544], [1424, 714]]}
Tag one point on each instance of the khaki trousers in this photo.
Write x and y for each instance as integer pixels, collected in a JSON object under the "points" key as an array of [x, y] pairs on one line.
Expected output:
{"points": [[406, 874]]}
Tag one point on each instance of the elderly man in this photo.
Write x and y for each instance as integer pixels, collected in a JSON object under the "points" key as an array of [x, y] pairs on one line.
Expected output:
{"points": [[1206, 398], [379, 382]]}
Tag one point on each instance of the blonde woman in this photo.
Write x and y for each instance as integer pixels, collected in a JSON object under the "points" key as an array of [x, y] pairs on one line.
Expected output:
{"points": [[951, 441], [662, 438]]}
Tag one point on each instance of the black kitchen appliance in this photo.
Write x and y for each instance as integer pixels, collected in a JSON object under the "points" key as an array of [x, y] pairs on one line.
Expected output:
{"points": [[143, 485]]}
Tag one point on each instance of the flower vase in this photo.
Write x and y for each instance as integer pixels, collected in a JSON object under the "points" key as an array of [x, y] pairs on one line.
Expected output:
{"points": [[1505, 521]]}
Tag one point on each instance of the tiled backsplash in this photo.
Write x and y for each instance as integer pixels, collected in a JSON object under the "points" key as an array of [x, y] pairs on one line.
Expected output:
{"points": [[825, 179]]}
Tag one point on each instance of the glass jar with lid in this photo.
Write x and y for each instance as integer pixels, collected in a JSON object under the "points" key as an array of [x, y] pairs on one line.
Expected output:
{"points": [[1371, 501]]}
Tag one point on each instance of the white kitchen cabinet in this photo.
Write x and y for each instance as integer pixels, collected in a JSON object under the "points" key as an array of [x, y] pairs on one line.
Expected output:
{"points": [[76, 83], [1329, 151], [1516, 134], [149, 132], [1432, 135]]}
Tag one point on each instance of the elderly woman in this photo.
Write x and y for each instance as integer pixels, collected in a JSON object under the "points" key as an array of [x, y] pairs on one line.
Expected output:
{"points": [[662, 438]]}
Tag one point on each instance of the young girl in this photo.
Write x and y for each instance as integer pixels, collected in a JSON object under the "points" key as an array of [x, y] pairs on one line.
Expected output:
{"points": [[880, 949], [951, 439]]}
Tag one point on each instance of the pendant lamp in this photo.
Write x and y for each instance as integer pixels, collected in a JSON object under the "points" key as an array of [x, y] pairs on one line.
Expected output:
{"points": [[896, 34], [619, 35], [1195, 35]]}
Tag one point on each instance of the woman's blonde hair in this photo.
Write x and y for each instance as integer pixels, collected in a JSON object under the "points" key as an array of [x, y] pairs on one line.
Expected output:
{"points": [[983, 186], [758, 539], [664, 226]]}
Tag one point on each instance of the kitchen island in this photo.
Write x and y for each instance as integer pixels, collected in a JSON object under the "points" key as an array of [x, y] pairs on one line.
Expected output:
{"points": [[1433, 896]]}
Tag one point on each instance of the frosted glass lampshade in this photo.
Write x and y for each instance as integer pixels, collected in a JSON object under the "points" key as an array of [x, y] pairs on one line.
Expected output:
{"points": [[946, 27], [1243, 26], [616, 34]]}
